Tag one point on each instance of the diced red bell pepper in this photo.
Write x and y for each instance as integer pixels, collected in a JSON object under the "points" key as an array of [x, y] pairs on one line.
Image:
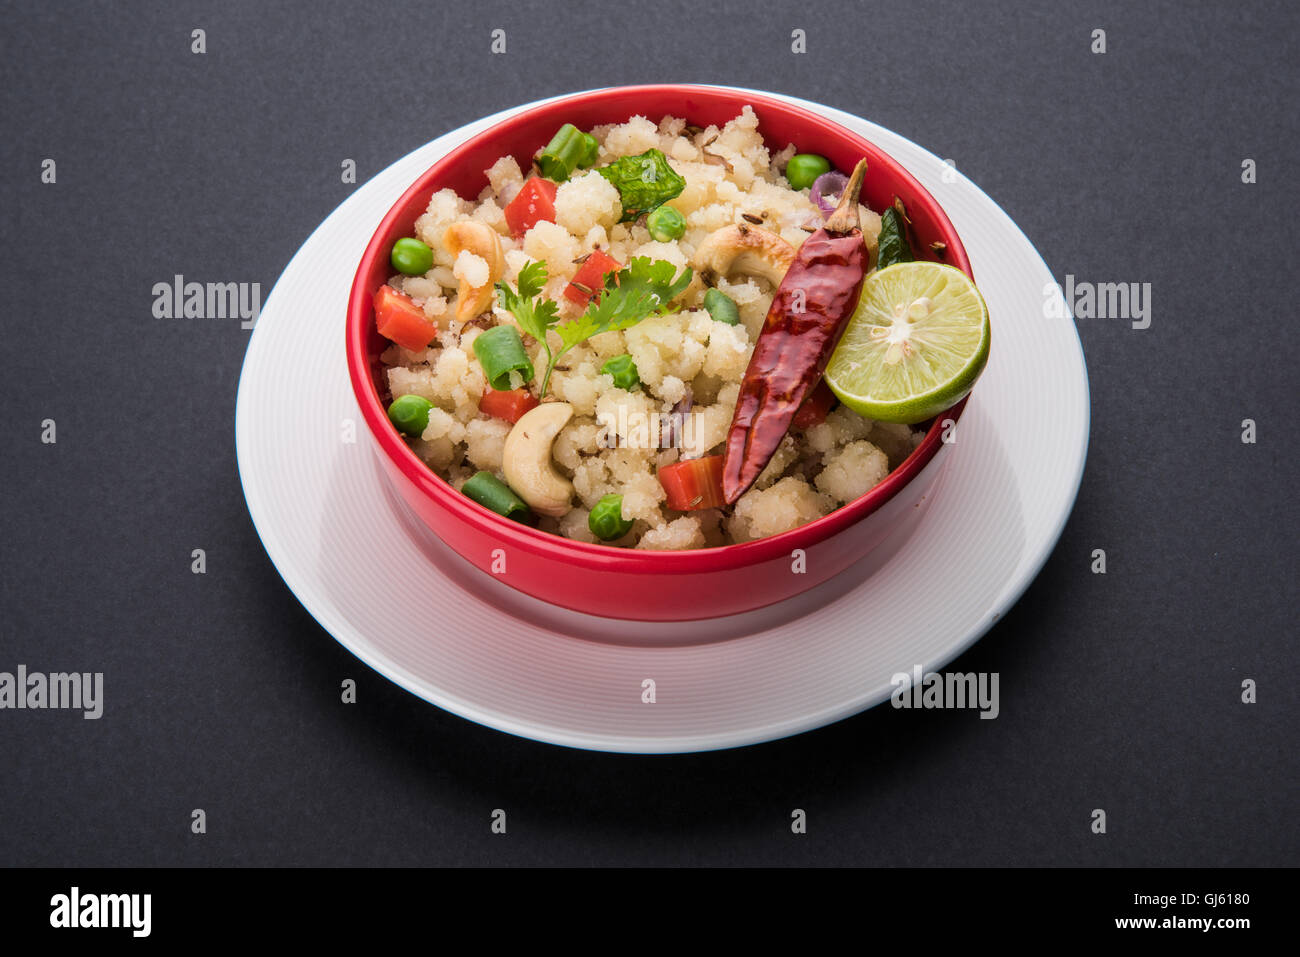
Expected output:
{"points": [[693, 484], [532, 204], [589, 280], [509, 405], [814, 408], [398, 318]]}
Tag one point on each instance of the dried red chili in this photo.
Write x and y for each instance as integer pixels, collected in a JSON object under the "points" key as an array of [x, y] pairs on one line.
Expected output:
{"points": [[809, 312]]}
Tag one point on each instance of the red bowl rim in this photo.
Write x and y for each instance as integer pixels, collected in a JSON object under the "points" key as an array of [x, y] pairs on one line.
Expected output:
{"points": [[608, 557]]}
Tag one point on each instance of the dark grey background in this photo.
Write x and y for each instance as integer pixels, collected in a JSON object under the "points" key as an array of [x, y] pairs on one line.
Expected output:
{"points": [[1118, 691]]}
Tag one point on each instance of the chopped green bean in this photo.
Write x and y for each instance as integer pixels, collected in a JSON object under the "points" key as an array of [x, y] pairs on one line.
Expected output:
{"points": [[500, 352], [568, 149], [490, 492], [590, 150]]}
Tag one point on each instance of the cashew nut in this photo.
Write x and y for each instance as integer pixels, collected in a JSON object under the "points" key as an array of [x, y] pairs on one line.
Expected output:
{"points": [[526, 459], [481, 240], [741, 248]]}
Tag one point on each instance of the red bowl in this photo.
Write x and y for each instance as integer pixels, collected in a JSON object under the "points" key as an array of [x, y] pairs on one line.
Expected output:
{"points": [[601, 579]]}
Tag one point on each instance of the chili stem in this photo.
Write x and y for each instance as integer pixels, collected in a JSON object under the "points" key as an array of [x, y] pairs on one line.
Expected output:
{"points": [[845, 217]]}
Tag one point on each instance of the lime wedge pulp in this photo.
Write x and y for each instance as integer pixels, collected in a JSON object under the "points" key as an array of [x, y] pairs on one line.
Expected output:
{"points": [[914, 346]]}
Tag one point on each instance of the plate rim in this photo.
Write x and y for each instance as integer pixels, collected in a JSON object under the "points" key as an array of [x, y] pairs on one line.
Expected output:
{"points": [[1017, 582]]}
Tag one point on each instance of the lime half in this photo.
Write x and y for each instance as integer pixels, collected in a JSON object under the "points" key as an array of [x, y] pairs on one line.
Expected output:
{"points": [[914, 346]]}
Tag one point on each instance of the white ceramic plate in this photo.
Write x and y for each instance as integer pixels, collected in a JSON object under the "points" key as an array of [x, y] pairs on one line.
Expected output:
{"points": [[468, 643]]}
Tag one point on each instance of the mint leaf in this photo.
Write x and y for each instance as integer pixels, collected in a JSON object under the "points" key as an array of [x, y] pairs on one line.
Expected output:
{"points": [[644, 182]]}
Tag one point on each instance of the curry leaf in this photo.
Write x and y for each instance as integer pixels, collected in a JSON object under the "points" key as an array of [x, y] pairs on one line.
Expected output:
{"points": [[644, 182], [893, 244]]}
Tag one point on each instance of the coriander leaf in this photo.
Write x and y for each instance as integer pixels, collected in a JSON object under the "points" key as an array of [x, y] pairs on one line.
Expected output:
{"points": [[575, 331], [644, 182], [644, 288], [546, 313], [534, 316], [532, 278], [657, 275]]}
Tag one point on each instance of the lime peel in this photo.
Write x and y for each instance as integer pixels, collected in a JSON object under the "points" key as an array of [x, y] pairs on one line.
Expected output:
{"points": [[914, 346]]}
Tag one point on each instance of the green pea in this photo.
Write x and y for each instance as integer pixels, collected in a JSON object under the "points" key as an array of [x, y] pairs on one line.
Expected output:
{"points": [[410, 413], [721, 307], [411, 257], [606, 520], [665, 224], [623, 369], [804, 169]]}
